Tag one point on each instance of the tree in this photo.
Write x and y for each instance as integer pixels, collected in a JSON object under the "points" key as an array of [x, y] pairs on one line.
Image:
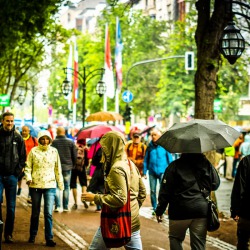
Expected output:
{"points": [[27, 28], [209, 30], [136, 31], [143, 38], [166, 87]]}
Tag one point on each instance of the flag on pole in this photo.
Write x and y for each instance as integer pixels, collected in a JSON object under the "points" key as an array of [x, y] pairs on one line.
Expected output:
{"points": [[69, 65], [118, 54], [108, 77], [75, 86]]}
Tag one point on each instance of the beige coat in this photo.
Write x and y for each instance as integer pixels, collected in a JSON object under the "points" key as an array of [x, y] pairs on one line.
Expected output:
{"points": [[43, 166], [120, 177]]}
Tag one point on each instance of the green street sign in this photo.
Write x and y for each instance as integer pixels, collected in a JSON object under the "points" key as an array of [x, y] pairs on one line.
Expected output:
{"points": [[4, 100], [217, 106]]}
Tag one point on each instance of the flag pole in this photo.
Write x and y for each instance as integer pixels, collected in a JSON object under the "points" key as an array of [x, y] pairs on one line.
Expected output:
{"points": [[69, 75], [108, 76], [75, 86], [118, 63], [116, 86]]}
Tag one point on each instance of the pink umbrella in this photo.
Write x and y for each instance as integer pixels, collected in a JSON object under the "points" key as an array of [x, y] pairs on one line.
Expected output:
{"points": [[96, 131]]}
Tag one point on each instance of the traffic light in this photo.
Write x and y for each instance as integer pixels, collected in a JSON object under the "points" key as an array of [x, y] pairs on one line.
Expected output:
{"points": [[127, 114], [189, 60]]}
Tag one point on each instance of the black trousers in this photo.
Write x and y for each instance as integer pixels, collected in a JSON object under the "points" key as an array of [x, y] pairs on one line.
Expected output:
{"points": [[243, 234]]}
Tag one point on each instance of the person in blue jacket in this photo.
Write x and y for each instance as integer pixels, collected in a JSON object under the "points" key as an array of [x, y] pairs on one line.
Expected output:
{"points": [[156, 161]]}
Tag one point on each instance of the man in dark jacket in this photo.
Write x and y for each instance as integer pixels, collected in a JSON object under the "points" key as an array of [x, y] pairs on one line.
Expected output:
{"points": [[240, 203], [67, 153], [12, 162], [181, 191]]}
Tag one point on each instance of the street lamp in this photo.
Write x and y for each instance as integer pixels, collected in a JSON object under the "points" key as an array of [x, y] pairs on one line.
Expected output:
{"points": [[232, 43], [101, 88], [44, 99], [21, 99], [84, 79], [66, 87]]}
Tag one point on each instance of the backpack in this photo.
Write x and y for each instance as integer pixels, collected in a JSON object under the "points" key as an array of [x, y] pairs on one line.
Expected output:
{"points": [[80, 157], [130, 144]]}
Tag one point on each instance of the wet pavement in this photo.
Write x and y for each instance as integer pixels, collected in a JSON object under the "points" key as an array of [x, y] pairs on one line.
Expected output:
{"points": [[223, 195]]}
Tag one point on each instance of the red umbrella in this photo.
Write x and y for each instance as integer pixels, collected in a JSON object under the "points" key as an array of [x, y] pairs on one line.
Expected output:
{"points": [[96, 131]]}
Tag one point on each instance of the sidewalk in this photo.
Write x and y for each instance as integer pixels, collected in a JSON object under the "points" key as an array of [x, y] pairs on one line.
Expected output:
{"points": [[78, 236], [21, 230]]}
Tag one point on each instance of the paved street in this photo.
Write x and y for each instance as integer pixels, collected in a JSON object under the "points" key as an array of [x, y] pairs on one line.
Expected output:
{"points": [[223, 196], [77, 228]]}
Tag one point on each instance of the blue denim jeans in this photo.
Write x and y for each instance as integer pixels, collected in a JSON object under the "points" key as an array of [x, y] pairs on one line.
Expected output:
{"points": [[66, 191], [49, 199], [153, 188], [98, 243], [9, 183], [197, 229]]}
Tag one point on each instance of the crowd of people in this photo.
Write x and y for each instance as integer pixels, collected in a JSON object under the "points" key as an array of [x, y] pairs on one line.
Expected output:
{"points": [[52, 165]]}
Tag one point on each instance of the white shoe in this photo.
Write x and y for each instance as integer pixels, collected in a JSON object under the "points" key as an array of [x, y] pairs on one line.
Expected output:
{"points": [[57, 209]]}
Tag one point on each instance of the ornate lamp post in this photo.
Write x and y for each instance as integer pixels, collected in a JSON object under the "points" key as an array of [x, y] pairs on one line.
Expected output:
{"points": [[100, 88], [21, 99], [44, 99], [232, 43], [83, 79]]}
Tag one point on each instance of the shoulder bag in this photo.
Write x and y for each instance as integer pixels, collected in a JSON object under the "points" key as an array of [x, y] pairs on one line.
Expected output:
{"points": [[116, 224], [213, 222]]}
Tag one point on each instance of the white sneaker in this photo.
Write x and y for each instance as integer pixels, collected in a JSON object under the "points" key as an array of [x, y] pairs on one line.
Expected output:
{"points": [[66, 210], [57, 209]]}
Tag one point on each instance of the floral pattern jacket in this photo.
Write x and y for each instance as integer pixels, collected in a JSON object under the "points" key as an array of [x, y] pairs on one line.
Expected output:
{"points": [[43, 166]]}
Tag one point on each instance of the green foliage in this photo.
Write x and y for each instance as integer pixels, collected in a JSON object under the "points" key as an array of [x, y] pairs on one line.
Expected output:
{"points": [[22, 20], [176, 87], [164, 87], [232, 85], [27, 29], [143, 38]]}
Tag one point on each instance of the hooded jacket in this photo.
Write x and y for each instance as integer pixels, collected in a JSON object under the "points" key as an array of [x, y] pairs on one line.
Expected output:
{"points": [[12, 152], [43, 166], [119, 177]]}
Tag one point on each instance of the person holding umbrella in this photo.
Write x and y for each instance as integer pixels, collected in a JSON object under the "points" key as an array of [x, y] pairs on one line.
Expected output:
{"points": [[181, 193], [189, 180]]}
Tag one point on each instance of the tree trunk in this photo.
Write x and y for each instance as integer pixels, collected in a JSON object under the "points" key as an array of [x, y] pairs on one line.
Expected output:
{"points": [[207, 36]]}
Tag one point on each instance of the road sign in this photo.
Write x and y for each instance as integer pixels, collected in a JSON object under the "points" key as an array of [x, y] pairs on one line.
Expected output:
{"points": [[189, 60], [217, 106], [4, 100], [127, 96]]}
